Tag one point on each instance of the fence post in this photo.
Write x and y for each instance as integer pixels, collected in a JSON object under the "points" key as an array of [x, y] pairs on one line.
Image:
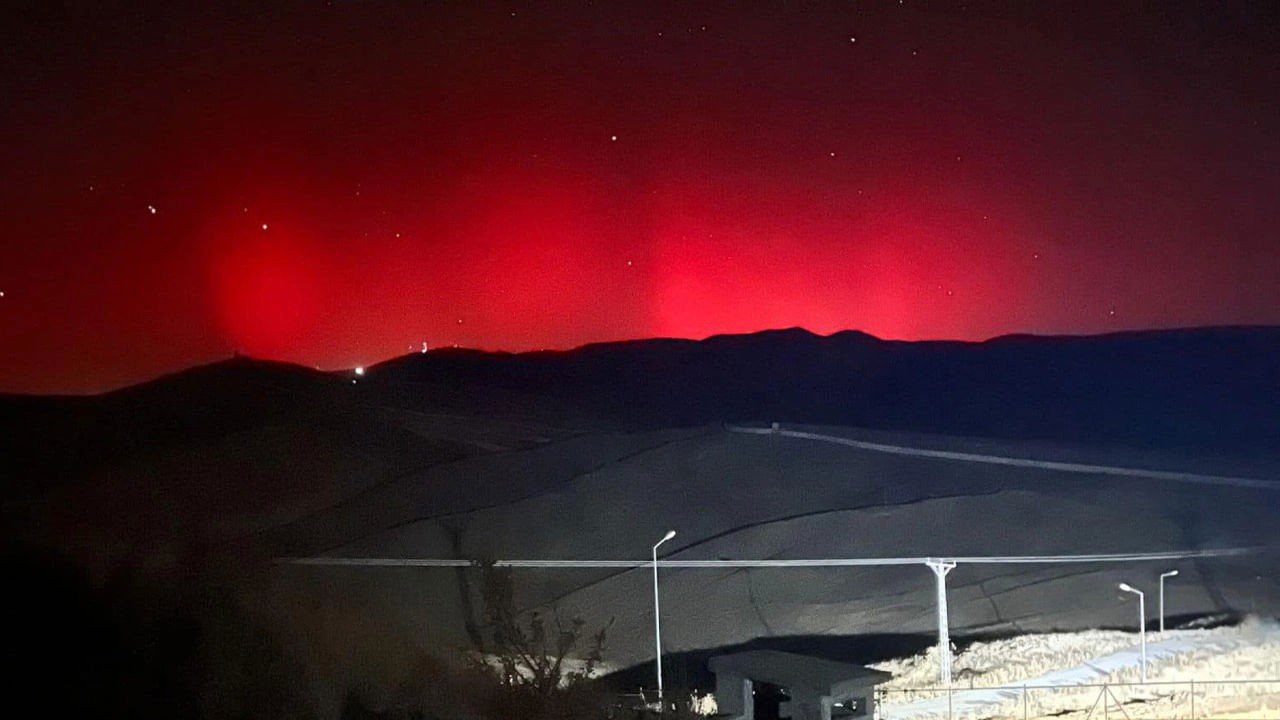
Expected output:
{"points": [[1193, 699], [1024, 701], [949, 701], [1106, 703]]}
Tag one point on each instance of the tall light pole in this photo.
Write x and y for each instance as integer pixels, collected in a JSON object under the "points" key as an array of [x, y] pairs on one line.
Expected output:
{"points": [[1142, 623], [657, 616], [1169, 574]]}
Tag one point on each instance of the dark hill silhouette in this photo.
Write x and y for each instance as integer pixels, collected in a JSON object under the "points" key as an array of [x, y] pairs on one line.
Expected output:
{"points": [[1210, 389], [46, 439], [1214, 388]]}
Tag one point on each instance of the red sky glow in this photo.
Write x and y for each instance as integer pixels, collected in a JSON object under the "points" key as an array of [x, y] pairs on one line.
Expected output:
{"points": [[335, 184]]}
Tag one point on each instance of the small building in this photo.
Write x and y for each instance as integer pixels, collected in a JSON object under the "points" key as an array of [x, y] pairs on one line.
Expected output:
{"points": [[818, 688]]}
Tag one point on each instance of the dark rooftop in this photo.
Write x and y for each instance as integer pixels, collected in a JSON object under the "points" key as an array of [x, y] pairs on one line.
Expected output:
{"points": [[790, 669]]}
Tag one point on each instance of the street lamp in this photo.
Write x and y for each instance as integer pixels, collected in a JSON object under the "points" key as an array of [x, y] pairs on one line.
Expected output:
{"points": [[657, 616], [1142, 623], [1169, 574]]}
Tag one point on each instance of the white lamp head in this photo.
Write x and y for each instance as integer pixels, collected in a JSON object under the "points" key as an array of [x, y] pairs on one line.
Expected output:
{"points": [[1127, 588], [670, 534], [1171, 573]]}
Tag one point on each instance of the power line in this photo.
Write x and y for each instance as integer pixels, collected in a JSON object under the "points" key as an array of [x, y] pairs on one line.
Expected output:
{"points": [[775, 563]]}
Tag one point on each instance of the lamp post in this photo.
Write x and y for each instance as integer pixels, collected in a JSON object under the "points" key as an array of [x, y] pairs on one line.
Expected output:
{"points": [[657, 616], [1169, 574], [1142, 623]]}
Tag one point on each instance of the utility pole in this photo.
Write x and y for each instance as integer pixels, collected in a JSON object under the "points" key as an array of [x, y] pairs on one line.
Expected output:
{"points": [[940, 569]]}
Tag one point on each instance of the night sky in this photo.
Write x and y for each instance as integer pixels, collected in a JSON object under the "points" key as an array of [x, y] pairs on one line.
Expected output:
{"points": [[337, 183]]}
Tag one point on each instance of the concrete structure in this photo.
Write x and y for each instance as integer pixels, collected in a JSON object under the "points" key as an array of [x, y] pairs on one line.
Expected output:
{"points": [[817, 687]]}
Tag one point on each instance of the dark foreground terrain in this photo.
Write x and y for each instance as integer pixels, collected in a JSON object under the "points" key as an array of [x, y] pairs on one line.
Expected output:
{"points": [[142, 525]]}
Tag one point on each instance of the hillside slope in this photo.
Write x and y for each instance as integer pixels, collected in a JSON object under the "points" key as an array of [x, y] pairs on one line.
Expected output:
{"points": [[595, 453], [739, 496]]}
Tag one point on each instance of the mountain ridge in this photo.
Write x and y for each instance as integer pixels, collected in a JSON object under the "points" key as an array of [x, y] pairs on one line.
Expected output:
{"points": [[1214, 388]]}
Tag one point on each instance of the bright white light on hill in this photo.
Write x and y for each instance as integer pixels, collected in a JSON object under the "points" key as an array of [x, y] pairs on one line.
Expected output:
{"points": [[360, 371]]}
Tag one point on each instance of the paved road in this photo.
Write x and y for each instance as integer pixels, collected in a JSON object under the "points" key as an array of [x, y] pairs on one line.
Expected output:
{"points": [[1182, 477]]}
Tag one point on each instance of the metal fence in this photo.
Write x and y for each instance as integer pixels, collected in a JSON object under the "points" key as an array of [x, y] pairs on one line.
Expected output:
{"points": [[1162, 700]]}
